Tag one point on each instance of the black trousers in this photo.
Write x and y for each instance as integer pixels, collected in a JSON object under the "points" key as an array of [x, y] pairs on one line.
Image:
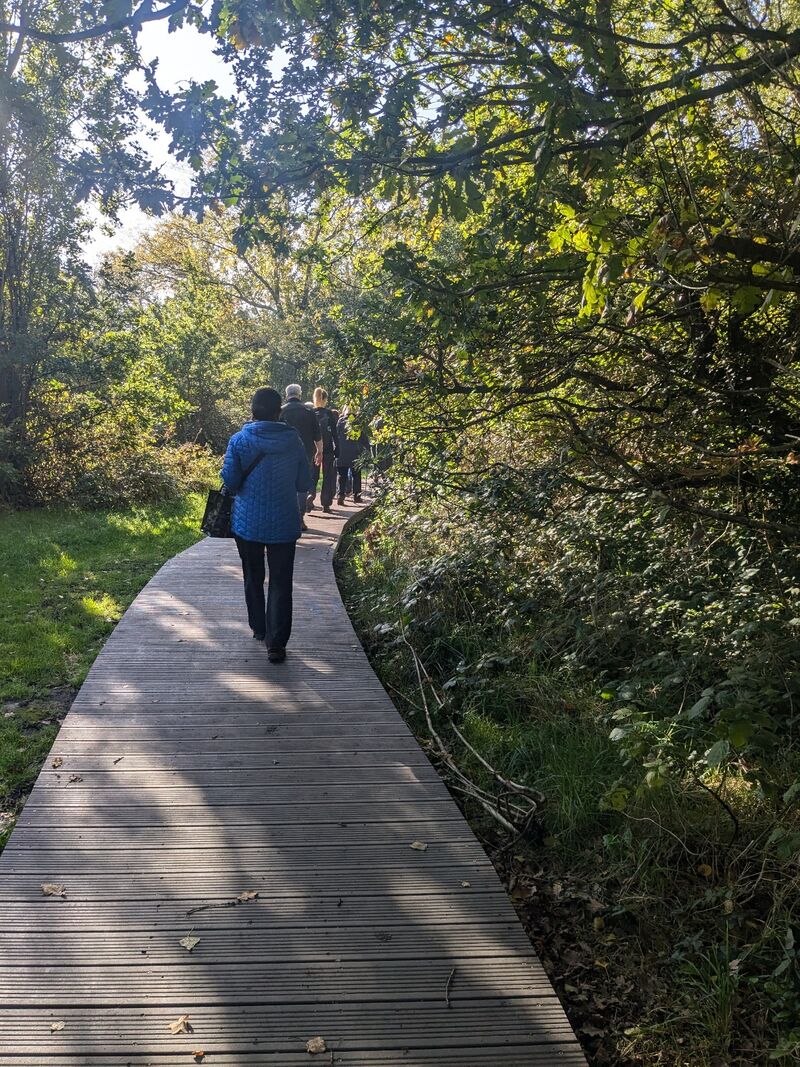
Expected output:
{"points": [[273, 618], [328, 472], [343, 481]]}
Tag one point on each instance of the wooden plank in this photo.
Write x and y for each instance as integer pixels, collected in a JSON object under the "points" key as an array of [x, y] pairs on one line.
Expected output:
{"points": [[189, 771], [235, 983], [98, 815], [453, 906]]}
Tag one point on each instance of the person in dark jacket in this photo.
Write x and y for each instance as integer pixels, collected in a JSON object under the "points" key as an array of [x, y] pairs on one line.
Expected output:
{"points": [[266, 517], [296, 414], [327, 419], [350, 449]]}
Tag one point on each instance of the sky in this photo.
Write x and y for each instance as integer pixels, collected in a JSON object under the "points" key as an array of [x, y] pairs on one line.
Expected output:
{"points": [[183, 56]]}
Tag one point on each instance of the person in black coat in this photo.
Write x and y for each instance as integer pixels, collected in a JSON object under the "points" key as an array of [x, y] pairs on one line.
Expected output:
{"points": [[327, 419], [350, 450], [296, 414]]}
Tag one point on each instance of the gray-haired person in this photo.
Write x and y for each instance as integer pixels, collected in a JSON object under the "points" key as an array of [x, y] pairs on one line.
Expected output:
{"points": [[296, 414]]}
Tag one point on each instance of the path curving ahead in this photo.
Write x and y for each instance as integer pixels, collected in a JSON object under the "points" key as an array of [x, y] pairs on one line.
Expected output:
{"points": [[189, 772]]}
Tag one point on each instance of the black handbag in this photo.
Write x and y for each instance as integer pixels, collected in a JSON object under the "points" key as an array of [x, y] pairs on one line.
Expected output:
{"points": [[217, 516]]}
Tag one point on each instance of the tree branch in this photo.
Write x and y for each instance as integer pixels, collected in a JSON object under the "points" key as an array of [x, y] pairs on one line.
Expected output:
{"points": [[144, 13]]}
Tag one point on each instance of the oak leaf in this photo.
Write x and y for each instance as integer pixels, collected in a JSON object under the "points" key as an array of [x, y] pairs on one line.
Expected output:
{"points": [[53, 889]]}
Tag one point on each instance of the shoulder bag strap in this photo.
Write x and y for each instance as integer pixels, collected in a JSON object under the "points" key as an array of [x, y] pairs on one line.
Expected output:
{"points": [[250, 468]]}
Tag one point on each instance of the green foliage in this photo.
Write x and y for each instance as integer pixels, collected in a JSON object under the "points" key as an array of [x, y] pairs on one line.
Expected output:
{"points": [[538, 632]]}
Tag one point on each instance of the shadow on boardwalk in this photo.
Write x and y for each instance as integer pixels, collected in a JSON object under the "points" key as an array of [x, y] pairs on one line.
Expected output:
{"points": [[193, 772]]}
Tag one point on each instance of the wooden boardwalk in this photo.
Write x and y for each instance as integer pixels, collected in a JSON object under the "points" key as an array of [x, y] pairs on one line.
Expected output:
{"points": [[189, 772]]}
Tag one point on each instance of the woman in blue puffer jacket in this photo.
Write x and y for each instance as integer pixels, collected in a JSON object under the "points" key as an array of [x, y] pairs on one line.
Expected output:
{"points": [[266, 518]]}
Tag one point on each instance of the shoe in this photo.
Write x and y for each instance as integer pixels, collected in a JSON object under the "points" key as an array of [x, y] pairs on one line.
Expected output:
{"points": [[259, 637], [340, 501], [310, 506], [303, 526], [326, 511], [276, 655], [356, 499]]}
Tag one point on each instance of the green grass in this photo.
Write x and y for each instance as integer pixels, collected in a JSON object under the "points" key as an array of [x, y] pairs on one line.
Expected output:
{"points": [[67, 577]]}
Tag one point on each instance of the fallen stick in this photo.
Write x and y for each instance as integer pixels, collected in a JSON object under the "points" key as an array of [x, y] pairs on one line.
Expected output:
{"points": [[447, 987]]}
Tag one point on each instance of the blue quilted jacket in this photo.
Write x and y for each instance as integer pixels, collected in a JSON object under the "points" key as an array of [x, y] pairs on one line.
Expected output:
{"points": [[265, 508]]}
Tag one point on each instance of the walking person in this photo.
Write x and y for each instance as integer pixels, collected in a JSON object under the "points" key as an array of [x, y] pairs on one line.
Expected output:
{"points": [[266, 518], [295, 413], [327, 419], [350, 449]]}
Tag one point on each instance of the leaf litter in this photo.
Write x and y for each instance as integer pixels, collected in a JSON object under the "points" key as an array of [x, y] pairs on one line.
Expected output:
{"points": [[189, 942], [181, 1025], [54, 889]]}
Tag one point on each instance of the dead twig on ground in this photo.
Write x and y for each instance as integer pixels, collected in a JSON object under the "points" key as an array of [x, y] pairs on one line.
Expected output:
{"points": [[516, 815]]}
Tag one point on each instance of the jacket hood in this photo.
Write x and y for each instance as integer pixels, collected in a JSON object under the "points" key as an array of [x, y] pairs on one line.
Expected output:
{"points": [[270, 437]]}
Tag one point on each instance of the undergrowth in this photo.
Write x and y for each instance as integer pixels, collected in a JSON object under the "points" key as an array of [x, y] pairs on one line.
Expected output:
{"points": [[659, 881]]}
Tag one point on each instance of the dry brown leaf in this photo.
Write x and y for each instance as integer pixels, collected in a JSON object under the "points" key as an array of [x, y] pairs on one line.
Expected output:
{"points": [[55, 1027], [315, 1045], [57, 761], [74, 778], [249, 894], [199, 1054], [53, 889], [466, 885], [705, 870], [189, 942], [420, 846], [598, 922], [181, 1025]]}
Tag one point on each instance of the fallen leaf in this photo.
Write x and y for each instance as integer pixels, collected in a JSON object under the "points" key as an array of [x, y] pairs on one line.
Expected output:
{"points": [[199, 1054], [591, 1031], [57, 761], [53, 889], [705, 870], [119, 760], [189, 942], [728, 907], [598, 922], [55, 1027], [181, 1025], [316, 1044], [75, 778], [420, 846], [733, 966], [7, 819], [466, 885], [249, 894]]}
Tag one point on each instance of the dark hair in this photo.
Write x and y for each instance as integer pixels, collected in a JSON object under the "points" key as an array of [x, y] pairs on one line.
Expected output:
{"points": [[266, 405]]}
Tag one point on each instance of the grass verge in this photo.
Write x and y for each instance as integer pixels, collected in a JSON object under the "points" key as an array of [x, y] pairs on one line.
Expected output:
{"points": [[67, 578]]}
